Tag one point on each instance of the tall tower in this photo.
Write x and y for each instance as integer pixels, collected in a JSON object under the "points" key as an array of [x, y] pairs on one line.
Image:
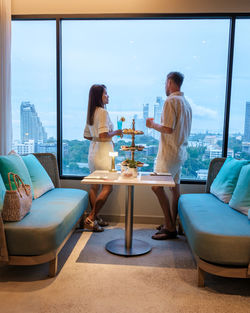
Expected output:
{"points": [[247, 123], [145, 110], [31, 126], [158, 107]]}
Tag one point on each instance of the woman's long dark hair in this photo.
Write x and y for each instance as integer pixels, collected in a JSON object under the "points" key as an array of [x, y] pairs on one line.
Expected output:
{"points": [[95, 100]]}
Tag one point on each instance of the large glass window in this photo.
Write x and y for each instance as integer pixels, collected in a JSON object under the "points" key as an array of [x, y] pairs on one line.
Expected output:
{"points": [[34, 86], [132, 58], [239, 126]]}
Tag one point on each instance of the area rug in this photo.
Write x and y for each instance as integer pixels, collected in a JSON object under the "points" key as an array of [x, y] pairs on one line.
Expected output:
{"points": [[165, 253]]}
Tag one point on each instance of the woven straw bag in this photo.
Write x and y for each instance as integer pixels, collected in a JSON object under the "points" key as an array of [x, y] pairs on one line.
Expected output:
{"points": [[17, 202]]}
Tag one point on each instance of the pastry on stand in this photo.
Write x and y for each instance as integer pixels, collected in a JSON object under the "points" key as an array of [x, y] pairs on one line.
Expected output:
{"points": [[132, 164]]}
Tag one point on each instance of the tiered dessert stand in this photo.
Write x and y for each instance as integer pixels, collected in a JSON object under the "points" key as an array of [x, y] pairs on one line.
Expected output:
{"points": [[133, 147]]}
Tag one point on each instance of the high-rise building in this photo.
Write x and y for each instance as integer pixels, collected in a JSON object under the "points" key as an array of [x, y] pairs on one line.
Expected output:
{"points": [[145, 110], [247, 123], [31, 126], [158, 107]]}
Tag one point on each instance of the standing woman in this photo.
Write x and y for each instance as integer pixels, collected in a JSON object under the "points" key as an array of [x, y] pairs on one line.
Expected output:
{"points": [[99, 130]]}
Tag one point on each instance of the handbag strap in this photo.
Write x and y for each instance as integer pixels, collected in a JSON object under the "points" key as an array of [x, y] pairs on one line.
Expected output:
{"points": [[18, 182]]}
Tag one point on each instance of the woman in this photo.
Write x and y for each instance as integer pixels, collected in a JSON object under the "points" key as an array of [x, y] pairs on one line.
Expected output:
{"points": [[99, 130]]}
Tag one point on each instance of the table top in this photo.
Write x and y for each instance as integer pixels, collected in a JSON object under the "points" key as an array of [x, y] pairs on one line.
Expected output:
{"points": [[115, 178]]}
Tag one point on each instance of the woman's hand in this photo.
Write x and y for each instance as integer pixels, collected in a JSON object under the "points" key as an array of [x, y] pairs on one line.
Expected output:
{"points": [[118, 132], [107, 135]]}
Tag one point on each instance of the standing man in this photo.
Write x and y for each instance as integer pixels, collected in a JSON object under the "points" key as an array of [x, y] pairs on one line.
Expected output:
{"points": [[175, 128]]}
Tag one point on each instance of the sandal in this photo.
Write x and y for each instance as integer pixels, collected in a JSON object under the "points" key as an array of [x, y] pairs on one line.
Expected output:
{"points": [[159, 227], [101, 222], [92, 225], [165, 234]]}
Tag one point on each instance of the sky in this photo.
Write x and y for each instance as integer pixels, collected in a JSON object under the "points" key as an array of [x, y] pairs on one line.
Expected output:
{"points": [[132, 58]]}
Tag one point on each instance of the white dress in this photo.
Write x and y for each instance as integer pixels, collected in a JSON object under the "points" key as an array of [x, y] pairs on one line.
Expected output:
{"points": [[98, 158]]}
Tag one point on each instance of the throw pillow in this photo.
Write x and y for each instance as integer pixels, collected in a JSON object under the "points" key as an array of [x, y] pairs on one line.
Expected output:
{"points": [[226, 180], [2, 192], [241, 196], [14, 163], [41, 181]]}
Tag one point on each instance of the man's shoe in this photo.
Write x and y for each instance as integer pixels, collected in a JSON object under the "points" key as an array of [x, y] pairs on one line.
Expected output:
{"points": [[165, 234], [101, 222], [92, 225]]}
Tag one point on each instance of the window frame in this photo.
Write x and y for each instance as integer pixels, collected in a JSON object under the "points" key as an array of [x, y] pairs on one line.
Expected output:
{"points": [[59, 18]]}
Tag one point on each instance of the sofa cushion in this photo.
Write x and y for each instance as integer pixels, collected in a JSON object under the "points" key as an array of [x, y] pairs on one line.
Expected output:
{"points": [[41, 181], [14, 163], [2, 192], [215, 232], [226, 180], [241, 196], [50, 220]]}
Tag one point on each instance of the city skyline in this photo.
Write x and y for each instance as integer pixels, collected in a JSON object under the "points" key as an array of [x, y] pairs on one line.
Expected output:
{"points": [[201, 148], [31, 126]]}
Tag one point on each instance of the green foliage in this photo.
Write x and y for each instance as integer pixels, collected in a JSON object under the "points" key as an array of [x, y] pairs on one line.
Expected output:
{"points": [[76, 152]]}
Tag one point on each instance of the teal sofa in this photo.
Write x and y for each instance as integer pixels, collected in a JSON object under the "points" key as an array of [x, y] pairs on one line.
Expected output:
{"points": [[218, 235], [40, 235]]}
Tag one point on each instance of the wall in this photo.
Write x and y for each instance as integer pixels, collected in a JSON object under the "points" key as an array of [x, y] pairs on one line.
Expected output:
{"points": [[128, 6]]}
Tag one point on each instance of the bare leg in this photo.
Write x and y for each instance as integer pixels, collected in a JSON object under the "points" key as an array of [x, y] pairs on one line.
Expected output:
{"points": [[164, 202], [176, 195], [93, 195], [100, 200]]}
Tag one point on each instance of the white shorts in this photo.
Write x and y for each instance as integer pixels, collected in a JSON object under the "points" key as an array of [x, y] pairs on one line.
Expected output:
{"points": [[169, 167]]}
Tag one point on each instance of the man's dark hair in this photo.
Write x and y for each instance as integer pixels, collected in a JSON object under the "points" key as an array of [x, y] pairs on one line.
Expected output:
{"points": [[176, 77]]}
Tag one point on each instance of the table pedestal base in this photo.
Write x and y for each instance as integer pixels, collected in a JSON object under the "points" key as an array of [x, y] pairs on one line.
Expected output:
{"points": [[138, 247]]}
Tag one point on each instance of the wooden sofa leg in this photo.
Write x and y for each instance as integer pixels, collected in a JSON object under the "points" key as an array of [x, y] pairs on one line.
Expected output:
{"points": [[53, 267], [201, 277]]}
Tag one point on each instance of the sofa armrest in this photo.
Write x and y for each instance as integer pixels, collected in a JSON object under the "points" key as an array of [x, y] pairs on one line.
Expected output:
{"points": [[3, 246], [49, 162], [214, 167]]}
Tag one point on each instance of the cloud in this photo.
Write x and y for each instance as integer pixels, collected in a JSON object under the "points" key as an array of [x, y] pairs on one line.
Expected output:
{"points": [[200, 111]]}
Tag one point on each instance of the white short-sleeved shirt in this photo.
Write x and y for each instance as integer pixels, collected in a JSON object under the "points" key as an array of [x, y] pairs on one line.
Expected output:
{"points": [[98, 158], [176, 114]]}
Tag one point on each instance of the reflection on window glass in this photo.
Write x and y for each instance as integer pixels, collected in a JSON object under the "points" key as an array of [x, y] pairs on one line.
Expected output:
{"points": [[34, 86], [132, 58], [239, 127]]}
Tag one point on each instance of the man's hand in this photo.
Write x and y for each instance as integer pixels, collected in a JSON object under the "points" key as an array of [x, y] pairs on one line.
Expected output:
{"points": [[150, 122], [158, 127]]}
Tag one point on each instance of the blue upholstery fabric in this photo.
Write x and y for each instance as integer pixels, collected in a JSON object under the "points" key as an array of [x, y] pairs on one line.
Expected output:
{"points": [[51, 218], [216, 232], [41, 182], [226, 180], [14, 163], [241, 196], [2, 192]]}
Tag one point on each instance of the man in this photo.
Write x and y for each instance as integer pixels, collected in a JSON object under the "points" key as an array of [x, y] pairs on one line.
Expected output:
{"points": [[175, 128]]}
